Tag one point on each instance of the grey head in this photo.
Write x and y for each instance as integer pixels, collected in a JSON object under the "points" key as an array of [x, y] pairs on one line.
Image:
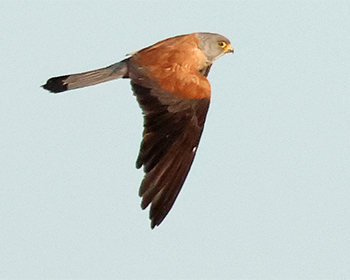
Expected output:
{"points": [[213, 45]]}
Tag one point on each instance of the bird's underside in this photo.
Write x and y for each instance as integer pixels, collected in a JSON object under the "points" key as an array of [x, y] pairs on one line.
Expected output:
{"points": [[169, 82]]}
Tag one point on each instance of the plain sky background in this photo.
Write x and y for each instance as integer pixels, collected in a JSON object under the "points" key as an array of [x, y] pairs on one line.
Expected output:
{"points": [[268, 196]]}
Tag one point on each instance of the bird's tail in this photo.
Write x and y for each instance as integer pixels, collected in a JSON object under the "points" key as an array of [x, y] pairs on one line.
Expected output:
{"points": [[63, 83]]}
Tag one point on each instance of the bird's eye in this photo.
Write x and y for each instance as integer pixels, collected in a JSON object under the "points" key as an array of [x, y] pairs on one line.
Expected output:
{"points": [[222, 44]]}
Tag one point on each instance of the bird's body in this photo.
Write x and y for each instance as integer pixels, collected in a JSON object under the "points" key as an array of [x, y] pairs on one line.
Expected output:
{"points": [[174, 65], [169, 81]]}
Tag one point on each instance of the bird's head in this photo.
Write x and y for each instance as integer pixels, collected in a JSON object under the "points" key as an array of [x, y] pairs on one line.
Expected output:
{"points": [[213, 45]]}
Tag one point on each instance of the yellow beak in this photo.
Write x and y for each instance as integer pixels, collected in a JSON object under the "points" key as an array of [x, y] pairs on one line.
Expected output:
{"points": [[228, 48]]}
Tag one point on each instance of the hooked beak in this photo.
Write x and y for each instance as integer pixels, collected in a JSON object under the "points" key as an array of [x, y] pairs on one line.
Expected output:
{"points": [[228, 49]]}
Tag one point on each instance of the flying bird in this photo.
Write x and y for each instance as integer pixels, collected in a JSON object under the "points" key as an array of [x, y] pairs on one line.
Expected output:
{"points": [[169, 80]]}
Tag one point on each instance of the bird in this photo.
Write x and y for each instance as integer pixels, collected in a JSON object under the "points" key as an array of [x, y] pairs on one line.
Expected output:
{"points": [[169, 80]]}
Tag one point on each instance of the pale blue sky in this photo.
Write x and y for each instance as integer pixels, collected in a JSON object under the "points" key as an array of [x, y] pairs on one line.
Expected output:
{"points": [[268, 195]]}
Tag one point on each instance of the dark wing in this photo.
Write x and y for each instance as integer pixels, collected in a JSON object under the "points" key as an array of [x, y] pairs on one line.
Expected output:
{"points": [[172, 129]]}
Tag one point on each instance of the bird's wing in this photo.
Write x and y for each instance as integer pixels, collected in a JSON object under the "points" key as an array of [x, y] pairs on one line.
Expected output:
{"points": [[172, 130], [169, 81]]}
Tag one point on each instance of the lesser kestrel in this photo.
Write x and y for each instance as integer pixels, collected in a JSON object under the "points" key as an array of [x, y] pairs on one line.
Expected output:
{"points": [[170, 84]]}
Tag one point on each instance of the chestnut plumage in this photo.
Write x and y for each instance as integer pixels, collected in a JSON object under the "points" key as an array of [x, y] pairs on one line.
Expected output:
{"points": [[169, 80]]}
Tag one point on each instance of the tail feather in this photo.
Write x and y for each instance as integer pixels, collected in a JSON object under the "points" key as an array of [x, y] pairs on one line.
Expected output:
{"points": [[63, 83]]}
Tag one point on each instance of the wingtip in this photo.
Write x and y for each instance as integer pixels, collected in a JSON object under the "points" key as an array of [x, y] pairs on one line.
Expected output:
{"points": [[153, 224]]}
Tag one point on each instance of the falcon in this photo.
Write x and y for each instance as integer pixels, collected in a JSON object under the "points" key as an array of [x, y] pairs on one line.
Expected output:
{"points": [[169, 80]]}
